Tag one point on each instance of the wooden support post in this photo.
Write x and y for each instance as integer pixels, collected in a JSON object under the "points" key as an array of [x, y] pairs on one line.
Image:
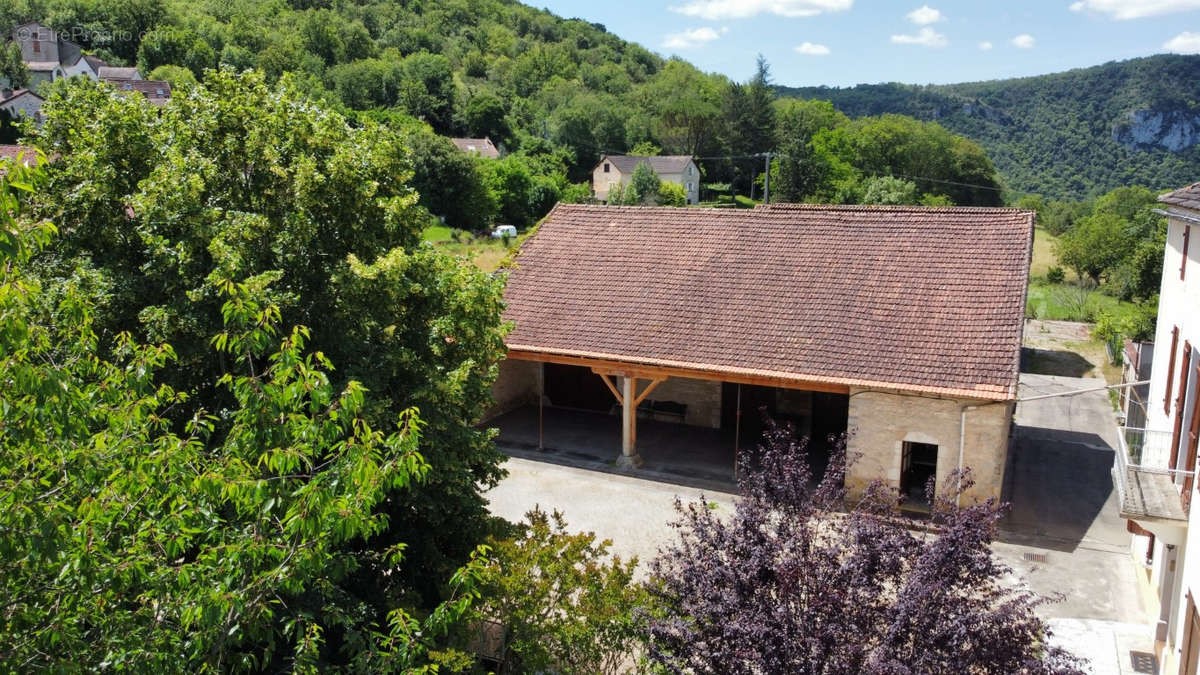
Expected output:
{"points": [[737, 433], [541, 405], [629, 456]]}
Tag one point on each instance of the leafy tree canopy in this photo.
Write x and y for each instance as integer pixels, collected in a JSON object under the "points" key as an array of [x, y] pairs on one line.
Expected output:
{"points": [[157, 206]]}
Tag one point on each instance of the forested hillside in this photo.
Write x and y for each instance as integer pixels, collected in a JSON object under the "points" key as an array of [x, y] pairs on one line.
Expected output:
{"points": [[554, 93], [1067, 135]]}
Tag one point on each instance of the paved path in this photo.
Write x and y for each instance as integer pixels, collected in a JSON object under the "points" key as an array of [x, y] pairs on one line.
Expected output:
{"points": [[1058, 481]]}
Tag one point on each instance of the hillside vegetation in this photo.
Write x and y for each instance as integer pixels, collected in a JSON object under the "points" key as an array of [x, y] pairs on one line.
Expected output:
{"points": [[1070, 135], [555, 94]]}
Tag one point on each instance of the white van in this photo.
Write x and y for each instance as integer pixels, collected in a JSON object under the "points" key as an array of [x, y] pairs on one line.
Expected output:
{"points": [[503, 231]]}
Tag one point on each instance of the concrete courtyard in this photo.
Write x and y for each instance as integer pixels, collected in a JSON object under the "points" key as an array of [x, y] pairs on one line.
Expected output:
{"points": [[1058, 482]]}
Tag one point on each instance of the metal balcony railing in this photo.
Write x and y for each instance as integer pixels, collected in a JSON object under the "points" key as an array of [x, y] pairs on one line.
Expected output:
{"points": [[1146, 488]]}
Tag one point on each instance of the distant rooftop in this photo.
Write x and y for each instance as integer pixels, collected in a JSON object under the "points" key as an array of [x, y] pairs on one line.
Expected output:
{"points": [[479, 146], [660, 163]]}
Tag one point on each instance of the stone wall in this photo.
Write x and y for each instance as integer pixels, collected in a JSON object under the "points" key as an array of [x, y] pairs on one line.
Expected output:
{"points": [[881, 422], [702, 398], [515, 386]]}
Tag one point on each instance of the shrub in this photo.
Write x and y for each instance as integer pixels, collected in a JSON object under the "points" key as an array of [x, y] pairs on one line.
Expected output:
{"points": [[566, 602], [671, 194], [1055, 275]]}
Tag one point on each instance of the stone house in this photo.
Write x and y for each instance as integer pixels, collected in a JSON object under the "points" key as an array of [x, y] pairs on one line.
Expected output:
{"points": [[900, 326], [21, 103], [50, 56], [618, 170]]}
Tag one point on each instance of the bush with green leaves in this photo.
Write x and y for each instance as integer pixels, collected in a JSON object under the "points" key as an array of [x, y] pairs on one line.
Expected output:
{"points": [[671, 194], [565, 602], [1055, 275]]}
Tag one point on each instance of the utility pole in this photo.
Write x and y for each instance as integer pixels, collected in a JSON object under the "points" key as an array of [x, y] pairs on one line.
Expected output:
{"points": [[767, 180]]}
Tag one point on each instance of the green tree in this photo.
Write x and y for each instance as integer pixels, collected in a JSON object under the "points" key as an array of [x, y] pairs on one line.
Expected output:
{"points": [[1095, 246], [181, 79], [926, 153], [12, 68], [224, 544], [450, 182], [511, 185], [685, 106], [486, 116], [170, 46], [889, 190], [644, 183], [567, 603], [428, 91], [749, 122], [240, 179], [800, 172]]}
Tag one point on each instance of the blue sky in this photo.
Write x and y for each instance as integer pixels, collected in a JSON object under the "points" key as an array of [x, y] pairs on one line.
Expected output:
{"points": [[846, 42]]}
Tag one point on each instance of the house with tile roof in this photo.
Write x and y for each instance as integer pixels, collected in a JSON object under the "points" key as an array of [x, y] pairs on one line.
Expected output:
{"points": [[24, 154], [157, 91], [900, 326], [21, 103], [51, 56], [616, 170], [1155, 470], [481, 147]]}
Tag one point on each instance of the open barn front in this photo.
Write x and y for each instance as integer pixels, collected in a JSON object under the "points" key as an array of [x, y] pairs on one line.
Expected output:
{"points": [[679, 426]]}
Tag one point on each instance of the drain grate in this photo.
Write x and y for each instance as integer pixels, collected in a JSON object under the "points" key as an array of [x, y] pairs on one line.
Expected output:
{"points": [[1143, 662], [1035, 557]]}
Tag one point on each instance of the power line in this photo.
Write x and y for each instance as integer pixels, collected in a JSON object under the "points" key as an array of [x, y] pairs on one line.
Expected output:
{"points": [[872, 172]]}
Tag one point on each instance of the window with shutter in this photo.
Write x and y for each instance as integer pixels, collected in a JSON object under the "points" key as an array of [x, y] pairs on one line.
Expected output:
{"points": [[1187, 233], [1179, 400], [1171, 369], [1194, 429]]}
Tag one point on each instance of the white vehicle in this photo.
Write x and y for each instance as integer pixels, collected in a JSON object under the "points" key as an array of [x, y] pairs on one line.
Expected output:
{"points": [[502, 231]]}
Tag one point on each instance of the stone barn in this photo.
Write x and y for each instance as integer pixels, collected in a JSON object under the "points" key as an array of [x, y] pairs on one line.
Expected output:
{"points": [[653, 337]]}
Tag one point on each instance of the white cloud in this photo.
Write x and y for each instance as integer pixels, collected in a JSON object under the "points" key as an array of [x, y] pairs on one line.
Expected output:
{"points": [[810, 49], [1184, 43], [926, 37], [925, 15], [1135, 9], [690, 38], [1023, 41], [985, 45], [741, 9]]}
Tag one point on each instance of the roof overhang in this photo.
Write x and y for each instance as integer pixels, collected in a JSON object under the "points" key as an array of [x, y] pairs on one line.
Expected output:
{"points": [[658, 368]]}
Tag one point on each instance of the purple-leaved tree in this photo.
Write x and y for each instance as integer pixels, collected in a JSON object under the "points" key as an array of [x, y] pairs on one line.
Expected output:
{"points": [[797, 580]]}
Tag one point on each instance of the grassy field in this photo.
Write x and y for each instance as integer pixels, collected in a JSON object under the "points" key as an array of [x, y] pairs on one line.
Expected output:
{"points": [[1065, 301], [484, 252], [437, 234], [1068, 302]]}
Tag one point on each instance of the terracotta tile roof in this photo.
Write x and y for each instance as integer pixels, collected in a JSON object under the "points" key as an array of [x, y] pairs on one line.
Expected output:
{"points": [[660, 163], [908, 298], [480, 146], [157, 91], [10, 153], [26, 152], [1188, 197]]}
